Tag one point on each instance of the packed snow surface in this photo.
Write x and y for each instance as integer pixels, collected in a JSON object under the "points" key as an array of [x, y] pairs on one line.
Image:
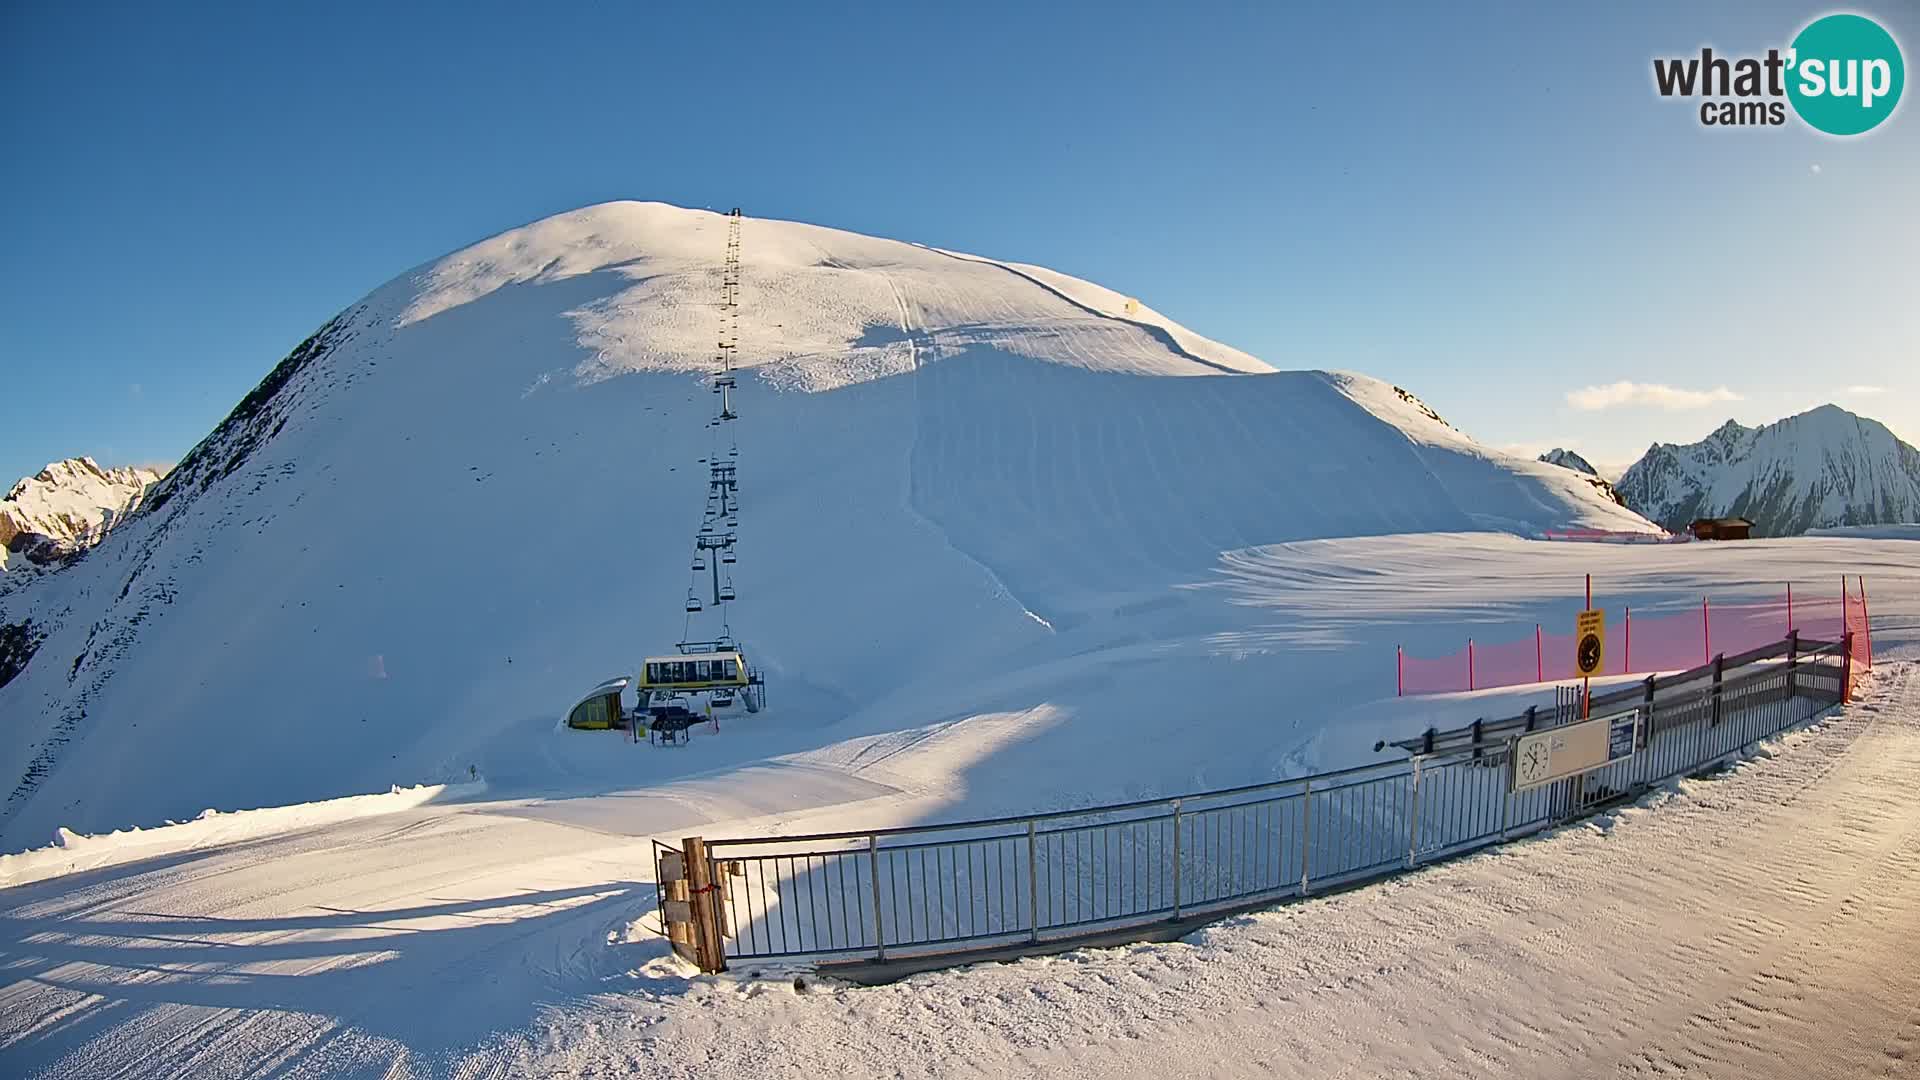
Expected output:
{"points": [[1761, 914], [969, 487]]}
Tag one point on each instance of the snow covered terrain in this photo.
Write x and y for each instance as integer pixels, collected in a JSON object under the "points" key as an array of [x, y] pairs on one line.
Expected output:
{"points": [[1821, 468], [66, 507], [969, 488], [1733, 919], [1009, 542]]}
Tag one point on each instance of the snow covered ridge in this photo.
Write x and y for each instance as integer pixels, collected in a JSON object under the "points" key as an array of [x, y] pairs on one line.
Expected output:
{"points": [[67, 507], [1567, 459], [470, 496], [1821, 468]]}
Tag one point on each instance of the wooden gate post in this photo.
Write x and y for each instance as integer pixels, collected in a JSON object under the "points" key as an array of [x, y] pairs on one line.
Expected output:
{"points": [[709, 953]]}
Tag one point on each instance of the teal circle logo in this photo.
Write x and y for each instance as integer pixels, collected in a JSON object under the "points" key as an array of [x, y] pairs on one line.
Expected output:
{"points": [[1845, 74]]}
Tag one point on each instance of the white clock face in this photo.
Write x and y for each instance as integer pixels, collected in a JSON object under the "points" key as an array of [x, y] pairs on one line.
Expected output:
{"points": [[1534, 762]]}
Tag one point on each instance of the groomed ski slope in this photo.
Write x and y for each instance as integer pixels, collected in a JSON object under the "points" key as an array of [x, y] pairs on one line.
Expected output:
{"points": [[968, 487], [496, 936]]}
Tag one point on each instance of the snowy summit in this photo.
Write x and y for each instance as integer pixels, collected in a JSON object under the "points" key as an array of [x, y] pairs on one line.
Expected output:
{"points": [[1567, 459], [68, 506]]}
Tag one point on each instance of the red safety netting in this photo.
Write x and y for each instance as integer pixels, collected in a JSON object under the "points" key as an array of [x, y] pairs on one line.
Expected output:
{"points": [[1855, 617], [1507, 663], [1736, 628], [1820, 618], [1673, 640], [1418, 675]]}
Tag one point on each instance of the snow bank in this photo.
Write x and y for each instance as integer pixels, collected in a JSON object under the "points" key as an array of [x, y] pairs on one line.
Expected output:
{"points": [[1909, 531], [72, 851]]}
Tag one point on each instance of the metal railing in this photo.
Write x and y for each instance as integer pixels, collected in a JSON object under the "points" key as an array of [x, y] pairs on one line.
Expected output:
{"points": [[1049, 880]]}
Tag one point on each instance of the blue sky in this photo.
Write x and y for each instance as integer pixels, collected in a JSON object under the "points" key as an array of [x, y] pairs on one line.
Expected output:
{"points": [[1485, 204]]}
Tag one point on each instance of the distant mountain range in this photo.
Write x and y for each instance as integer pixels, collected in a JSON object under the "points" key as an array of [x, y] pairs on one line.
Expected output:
{"points": [[1823, 468], [65, 508]]}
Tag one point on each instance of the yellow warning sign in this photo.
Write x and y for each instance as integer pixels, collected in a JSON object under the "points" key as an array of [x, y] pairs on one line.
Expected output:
{"points": [[1590, 641]]}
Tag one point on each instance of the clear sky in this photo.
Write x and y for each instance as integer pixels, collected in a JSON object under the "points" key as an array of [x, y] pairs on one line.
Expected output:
{"points": [[1485, 203]]}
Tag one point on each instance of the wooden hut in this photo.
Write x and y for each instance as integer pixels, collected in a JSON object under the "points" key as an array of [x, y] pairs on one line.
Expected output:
{"points": [[1728, 528]]}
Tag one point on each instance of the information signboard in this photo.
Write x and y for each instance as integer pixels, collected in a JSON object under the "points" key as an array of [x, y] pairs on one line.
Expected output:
{"points": [[1541, 757]]}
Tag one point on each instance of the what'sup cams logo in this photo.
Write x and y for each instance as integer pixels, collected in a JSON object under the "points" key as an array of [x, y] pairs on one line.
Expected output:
{"points": [[1842, 75]]}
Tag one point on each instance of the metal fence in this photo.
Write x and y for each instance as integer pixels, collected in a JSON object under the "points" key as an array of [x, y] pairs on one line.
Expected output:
{"points": [[1049, 880]]}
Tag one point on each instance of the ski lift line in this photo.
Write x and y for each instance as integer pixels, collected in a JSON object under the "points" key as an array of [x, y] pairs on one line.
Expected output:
{"points": [[720, 504]]}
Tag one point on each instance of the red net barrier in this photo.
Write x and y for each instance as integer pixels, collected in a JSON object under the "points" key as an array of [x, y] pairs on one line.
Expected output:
{"points": [[1444, 675], [1509, 663], [1737, 628], [1854, 615], [1672, 640], [1820, 618]]}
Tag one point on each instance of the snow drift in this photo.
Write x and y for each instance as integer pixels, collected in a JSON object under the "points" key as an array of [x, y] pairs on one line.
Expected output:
{"points": [[967, 485]]}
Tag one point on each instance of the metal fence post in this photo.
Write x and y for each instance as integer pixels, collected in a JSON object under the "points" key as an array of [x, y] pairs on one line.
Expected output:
{"points": [[1793, 655], [1176, 859], [1033, 887], [1506, 789], [1306, 833], [1846, 667], [1719, 672], [873, 869], [1866, 622], [1413, 818]]}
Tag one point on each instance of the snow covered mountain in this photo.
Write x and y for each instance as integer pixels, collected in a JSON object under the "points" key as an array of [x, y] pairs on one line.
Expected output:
{"points": [[67, 506], [968, 485], [1567, 459], [1821, 468]]}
